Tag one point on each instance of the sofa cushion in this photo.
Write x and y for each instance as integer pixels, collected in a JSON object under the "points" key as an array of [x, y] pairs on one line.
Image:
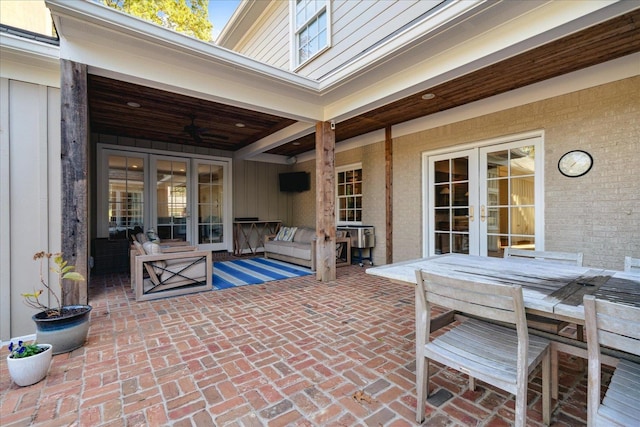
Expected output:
{"points": [[304, 235], [154, 249], [292, 249]]}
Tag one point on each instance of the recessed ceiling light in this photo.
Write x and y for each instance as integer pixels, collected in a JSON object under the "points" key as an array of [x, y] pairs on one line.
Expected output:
{"points": [[240, 125], [133, 104], [295, 143], [428, 96]]}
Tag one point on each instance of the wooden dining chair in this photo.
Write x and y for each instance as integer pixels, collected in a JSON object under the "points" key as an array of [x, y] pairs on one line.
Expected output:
{"points": [[616, 326], [502, 356], [553, 326], [571, 258], [632, 265]]}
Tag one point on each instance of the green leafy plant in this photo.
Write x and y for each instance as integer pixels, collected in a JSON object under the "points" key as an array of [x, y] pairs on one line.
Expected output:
{"points": [[64, 272], [24, 350]]}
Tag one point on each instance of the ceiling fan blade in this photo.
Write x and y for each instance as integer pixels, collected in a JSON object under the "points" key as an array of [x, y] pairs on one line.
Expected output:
{"points": [[214, 136]]}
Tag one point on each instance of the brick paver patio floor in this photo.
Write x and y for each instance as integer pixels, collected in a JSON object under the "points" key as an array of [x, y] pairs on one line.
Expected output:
{"points": [[296, 352]]}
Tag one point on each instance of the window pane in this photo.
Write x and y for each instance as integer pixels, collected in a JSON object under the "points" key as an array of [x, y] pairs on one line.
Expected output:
{"points": [[126, 196], [442, 171], [522, 160], [349, 195]]}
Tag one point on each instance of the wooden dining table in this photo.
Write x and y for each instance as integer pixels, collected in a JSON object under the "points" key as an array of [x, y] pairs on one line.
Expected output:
{"points": [[549, 289]]}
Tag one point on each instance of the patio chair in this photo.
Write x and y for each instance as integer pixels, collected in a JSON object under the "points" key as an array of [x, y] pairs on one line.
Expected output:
{"points": [[170, 274], [167, 245], [632, 265], [552, 326], [499, 355], [617, 326]]}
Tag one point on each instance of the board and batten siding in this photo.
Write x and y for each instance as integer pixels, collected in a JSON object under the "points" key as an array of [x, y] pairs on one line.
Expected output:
{"points": [[268, 41], [256, 192], [30, 172]]}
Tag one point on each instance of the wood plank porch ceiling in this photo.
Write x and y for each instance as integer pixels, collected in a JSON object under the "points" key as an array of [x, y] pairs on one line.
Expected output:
{"points": [[164, 115]]}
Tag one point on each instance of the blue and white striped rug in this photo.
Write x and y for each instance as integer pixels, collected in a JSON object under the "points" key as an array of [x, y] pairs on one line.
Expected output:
{"points": [[228, 274]]}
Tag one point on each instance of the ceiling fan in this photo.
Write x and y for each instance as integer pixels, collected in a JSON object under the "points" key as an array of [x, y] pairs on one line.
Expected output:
{"points": [[193, 130], [198, 133]]}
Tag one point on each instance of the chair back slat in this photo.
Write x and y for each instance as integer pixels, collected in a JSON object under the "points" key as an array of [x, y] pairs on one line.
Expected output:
{"points": [[618, 325], [632, 265], [573, 258], [490, 301]]}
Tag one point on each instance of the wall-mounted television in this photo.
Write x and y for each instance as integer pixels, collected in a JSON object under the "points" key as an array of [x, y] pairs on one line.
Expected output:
{"points": [[295, 182]]}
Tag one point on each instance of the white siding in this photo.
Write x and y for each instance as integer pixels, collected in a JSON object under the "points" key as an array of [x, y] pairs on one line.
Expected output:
{"points": [[357, 26], [269, 39]]}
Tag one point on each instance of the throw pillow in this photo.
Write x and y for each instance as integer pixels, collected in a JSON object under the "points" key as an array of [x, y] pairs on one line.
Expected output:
{"points": [[281, 233], [288, 236], [154, 249]]}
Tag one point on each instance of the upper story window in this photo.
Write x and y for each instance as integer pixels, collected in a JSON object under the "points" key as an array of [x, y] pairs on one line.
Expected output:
{"points": [[311, 25], [349, 194]]}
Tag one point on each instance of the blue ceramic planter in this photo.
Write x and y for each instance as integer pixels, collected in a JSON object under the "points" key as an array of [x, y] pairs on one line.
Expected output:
{"points": [[64, 333]]}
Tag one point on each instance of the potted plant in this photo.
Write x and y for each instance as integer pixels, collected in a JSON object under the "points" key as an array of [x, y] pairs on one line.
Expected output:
{"points": [[28, 363], [65, 327]]}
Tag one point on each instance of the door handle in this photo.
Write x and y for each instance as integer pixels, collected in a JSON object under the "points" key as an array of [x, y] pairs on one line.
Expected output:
{"points": [[483, 214]]}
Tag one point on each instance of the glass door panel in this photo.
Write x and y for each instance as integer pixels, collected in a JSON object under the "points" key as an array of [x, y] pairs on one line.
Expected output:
{"points": [[450, 214], [125, 199], [171, 199], [508, 192], [483, 199], [210, 204]]}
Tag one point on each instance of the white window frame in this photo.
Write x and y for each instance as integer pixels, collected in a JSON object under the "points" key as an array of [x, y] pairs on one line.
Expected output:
{"points": [[297, 27], [345, 168]]}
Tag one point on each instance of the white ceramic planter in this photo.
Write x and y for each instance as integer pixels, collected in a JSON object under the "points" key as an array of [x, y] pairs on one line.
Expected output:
{"points": [[29, 370]]}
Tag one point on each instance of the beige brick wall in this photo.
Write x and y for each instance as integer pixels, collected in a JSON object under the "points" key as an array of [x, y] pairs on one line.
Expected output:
{"points": [[598, 214], [372, 159]]}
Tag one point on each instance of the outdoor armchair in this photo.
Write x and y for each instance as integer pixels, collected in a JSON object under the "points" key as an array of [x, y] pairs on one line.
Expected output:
{"points": [[170, 274]]}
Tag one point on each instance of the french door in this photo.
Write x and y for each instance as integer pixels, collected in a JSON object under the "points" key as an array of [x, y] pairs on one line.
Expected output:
{"points": [[171, 215], [482, 199], [179, 198]]}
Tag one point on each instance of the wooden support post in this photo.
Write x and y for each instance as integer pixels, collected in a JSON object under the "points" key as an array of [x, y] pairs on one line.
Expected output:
{"points": [[388, 184], [74, 158], [325, 203]]}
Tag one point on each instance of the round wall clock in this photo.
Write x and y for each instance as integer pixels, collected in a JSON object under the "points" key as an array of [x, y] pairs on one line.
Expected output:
{"points": [[575, 163]]}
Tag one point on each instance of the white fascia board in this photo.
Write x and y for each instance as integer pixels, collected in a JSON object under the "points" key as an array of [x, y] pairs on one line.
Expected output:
{"points": [[190, 80], [78, 21], [348, 144], [271, 158], [245, 15], [541, 25], [274, 140], [88, 15], [29, 60]]}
